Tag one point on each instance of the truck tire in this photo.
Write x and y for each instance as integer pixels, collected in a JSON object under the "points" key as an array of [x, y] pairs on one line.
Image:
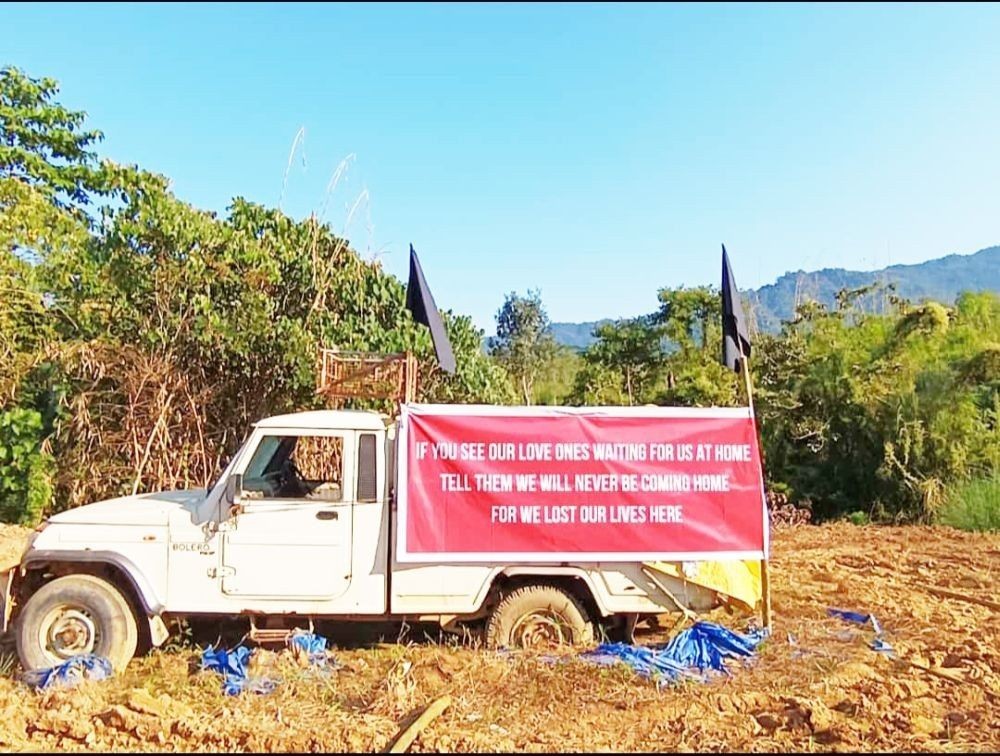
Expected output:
{"points": [[539, 615], [72, 615]]}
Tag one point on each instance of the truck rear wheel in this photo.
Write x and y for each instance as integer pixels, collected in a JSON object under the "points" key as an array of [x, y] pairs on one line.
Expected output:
{"points": [[536, 616], [73, 615]]}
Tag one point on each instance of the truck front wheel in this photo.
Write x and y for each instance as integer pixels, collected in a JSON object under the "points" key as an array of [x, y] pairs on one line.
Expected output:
{"points": [[535, 616], [73, 615]]}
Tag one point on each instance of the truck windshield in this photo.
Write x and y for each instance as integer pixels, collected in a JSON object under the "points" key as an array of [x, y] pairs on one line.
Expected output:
{"points": [[224, 473], [262, 460]]}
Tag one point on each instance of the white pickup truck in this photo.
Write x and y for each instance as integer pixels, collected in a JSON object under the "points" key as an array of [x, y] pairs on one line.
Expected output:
{"points": [[298, 527]]}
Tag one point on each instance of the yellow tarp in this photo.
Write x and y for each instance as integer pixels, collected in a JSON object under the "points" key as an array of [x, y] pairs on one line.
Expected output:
{"points": [[737, 580]]}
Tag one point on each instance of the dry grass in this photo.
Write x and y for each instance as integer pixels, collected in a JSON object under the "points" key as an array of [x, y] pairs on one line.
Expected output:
{"points": [[13, 539], [815, 686]]}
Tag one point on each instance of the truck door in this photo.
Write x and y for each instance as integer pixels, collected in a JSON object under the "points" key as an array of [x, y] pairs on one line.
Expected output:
{"points": [[291, 535]]}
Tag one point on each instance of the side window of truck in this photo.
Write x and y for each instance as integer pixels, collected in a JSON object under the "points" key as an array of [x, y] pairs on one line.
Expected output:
{"points": [[296, 467]]}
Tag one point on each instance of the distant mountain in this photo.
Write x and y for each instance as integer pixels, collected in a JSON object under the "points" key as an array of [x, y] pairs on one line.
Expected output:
{"points": [[941, 280], [576, 335]]}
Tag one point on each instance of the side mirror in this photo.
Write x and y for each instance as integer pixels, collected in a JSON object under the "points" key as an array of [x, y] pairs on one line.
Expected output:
{"points": [[234, 489]]}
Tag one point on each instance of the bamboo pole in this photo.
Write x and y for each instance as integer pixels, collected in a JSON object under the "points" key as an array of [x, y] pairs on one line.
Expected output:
{"points": [[765, 577], [407, 735], [963, 597]]}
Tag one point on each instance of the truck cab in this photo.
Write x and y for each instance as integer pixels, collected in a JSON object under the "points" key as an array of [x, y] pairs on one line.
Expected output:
{"points": [[298, 526]]}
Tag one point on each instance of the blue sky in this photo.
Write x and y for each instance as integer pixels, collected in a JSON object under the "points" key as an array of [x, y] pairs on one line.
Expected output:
{"points": [[595, 152]]}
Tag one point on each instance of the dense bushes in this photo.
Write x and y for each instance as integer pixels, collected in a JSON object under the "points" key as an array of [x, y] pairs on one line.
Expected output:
{"points": [[140, 336], [883, 414], [25, 490]]}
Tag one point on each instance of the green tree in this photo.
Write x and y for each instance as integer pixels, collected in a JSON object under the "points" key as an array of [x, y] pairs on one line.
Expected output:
{"points": [[43, 144], [555, 381], [523, 342], [48, 173], [226, 317], [143, 334], [691, 320], [625, 365], [25, 488], [668, 357], [883, 412], [598, 385]]}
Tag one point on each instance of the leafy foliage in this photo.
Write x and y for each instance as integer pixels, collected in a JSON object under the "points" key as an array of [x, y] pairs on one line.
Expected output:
{"points": [[692, 320], [146, 335], [885, 411], [555, 379], [43, 144], [625, 365], [873, 415], [25, 490], [523, 343], [667, 357]]}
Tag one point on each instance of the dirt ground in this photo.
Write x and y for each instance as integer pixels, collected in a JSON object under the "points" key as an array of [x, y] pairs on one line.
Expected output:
{"points": [[815, 685]]}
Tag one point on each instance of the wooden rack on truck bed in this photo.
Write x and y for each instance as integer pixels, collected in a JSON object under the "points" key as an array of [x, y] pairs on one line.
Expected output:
{"points": [[347, 375]]}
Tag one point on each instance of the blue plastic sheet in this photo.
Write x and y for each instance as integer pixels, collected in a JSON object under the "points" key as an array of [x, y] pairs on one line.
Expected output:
{"points": [[232, 665], [314, 646], [856, 617], [646, 661], [71, 672], [691, 654], [707, 645], [878, 643]]}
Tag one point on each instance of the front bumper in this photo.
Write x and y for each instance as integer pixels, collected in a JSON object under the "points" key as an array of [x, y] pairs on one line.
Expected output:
{"points": [[6, 582]]}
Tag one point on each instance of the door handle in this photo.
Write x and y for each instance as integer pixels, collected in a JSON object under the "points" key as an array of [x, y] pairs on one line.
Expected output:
{"points": [[327, 516]]}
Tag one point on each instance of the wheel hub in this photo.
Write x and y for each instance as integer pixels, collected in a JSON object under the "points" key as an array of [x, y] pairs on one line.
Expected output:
{"points": [[538, 629], [70, 632]]}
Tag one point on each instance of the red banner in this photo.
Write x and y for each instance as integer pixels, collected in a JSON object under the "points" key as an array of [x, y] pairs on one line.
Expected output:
{"points": [[554, 484]]}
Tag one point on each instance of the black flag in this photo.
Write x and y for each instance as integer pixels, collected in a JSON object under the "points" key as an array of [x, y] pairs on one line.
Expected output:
{"points": [[734, 322], [420, 302]]}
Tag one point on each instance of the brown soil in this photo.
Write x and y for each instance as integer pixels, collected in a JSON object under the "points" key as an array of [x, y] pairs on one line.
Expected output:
{"points": [[816, 684]]}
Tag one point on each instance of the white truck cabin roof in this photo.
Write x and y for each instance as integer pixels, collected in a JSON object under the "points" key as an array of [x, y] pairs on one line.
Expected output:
{"points": [[326, 420]]}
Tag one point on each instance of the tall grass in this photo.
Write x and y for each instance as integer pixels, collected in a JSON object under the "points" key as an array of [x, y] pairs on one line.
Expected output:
{"points": [[974, 505], [8, 663]]}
